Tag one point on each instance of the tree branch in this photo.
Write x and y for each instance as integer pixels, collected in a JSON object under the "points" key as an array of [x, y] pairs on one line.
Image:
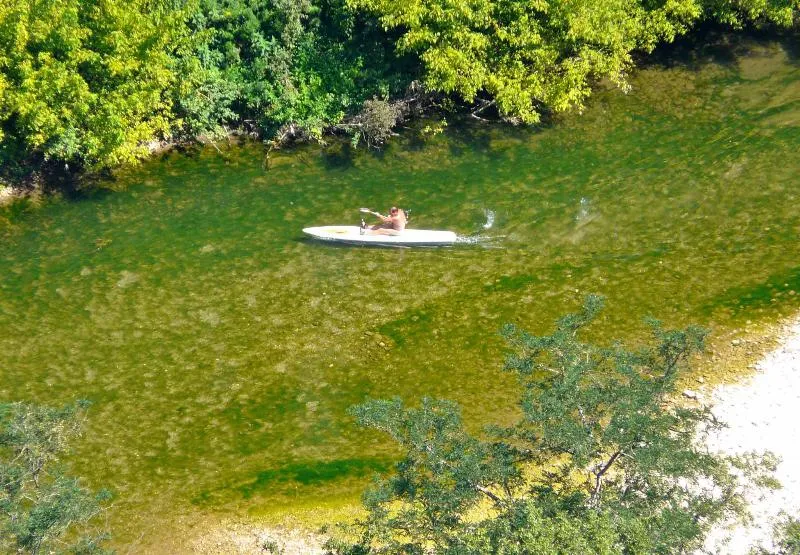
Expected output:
{"points": [[599, 476], [490, 495]]}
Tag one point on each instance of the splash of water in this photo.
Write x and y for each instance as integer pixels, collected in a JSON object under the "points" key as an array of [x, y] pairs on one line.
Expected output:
{"points": [[489, 218], [483, 240], [583, 212]]}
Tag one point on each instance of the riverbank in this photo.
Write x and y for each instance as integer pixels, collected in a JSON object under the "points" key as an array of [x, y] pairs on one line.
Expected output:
{"points": [[51, 179], [370, 128], [239, 538], [761, 415]]}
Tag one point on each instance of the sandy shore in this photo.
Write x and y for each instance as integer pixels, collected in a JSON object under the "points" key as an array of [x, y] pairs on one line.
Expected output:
{"points": [[241, 538], [763, 414], [6, 194]]}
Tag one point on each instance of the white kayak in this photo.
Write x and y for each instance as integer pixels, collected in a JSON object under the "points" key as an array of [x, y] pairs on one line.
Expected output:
{"points": [[351, 234]]}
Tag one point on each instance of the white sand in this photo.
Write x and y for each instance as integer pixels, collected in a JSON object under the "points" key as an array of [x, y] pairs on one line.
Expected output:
{"points": [[763, 414]]}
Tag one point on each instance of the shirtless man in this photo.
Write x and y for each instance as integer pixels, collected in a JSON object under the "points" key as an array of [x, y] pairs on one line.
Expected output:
{"points": [[393, 224]]}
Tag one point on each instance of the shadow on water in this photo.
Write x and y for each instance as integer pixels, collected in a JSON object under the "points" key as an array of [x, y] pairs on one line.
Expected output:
{"points": [[757, 295], [184, 150], [413, 139], [99, 186], [708, 44], [311, 242], [312, 473], [465, 137], [94, 191], [791, 45], [340, 156], [717, 45]]}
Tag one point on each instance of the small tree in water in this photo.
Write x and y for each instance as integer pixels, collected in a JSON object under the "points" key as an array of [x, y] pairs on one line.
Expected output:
{"points": [[41, 509], [601, 459], [375, 122]]}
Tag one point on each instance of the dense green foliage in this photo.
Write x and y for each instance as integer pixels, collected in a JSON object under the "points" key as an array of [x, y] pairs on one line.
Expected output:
{"points": [[281, 64], [85, 82], [92, 83], [534, 56], [601, 459], [42, 509]]}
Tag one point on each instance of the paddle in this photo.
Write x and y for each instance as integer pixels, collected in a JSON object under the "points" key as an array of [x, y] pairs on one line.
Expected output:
{"points": [[368, 211]]}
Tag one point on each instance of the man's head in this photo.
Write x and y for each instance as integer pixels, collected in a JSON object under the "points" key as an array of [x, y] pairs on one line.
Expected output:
{"points": [[394, 210]]}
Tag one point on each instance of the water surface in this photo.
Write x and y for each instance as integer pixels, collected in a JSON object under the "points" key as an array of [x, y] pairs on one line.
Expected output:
{"points": [[221, 348]]}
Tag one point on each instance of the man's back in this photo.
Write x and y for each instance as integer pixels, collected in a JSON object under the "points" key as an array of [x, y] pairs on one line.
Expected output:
{"points": [[399, 220]]}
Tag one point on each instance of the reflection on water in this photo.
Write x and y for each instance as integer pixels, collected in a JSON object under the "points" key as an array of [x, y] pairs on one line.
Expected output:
{"points": [[221, 349]]}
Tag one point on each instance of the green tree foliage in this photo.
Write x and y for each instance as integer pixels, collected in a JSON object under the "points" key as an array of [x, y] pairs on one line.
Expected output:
{"points": [[786, 538], [601, 459], [534, 56], [84, 81], [41, 509], [292, 64], [759, 13], [374, 124], [788, 535], [91, 82]]}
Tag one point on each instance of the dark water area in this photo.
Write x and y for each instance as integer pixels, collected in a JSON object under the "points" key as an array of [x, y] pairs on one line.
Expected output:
{"points": [[221, 348]]}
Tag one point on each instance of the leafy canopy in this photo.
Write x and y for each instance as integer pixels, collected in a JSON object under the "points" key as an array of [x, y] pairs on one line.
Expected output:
{"points": [[89, 84], [292, 64], [600, 460], [84, 81], [540, 55]]}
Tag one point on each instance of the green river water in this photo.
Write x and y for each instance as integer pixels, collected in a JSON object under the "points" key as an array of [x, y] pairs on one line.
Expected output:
{"points": [[221, 349]]}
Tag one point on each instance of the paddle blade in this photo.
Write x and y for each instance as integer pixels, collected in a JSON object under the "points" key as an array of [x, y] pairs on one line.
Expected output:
{"points": [[366, 210]]}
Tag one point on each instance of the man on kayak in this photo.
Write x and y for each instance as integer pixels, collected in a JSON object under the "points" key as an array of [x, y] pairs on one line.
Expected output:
{"points": [[393, 224]]}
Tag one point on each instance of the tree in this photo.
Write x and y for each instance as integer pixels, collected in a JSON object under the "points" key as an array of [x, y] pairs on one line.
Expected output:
{"points": [[601, 459], [759, 13], [788, 536], [531, 57], [287, 67], [85, 82], [41, 508], [374, 124]]}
